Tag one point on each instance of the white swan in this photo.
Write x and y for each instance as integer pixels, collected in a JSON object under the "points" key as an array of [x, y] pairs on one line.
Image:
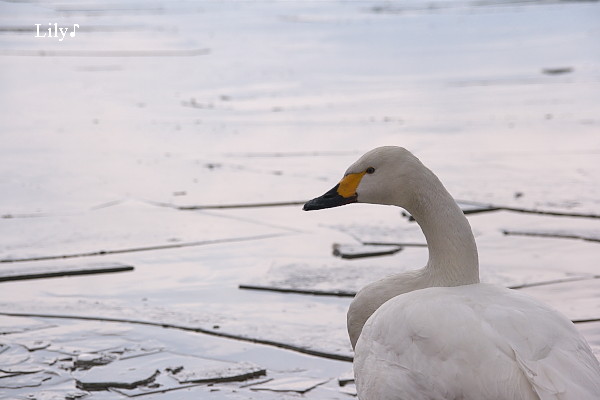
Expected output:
{"points": [[437, 333]]}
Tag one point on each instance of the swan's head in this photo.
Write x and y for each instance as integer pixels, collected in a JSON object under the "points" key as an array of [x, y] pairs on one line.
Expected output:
{"points": [[385, 175]]}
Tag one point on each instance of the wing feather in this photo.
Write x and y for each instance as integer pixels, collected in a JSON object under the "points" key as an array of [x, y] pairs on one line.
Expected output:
{"points": [[472, 342]]}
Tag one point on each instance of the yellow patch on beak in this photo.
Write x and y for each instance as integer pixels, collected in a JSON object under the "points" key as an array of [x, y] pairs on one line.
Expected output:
{"points": [[348, 185]]}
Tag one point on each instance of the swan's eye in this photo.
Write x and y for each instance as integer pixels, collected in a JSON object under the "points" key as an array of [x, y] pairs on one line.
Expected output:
{"points": [[370, 170]]}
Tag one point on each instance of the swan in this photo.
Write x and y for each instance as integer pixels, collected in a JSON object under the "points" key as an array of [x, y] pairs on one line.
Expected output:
{"points": [[437, 332]]}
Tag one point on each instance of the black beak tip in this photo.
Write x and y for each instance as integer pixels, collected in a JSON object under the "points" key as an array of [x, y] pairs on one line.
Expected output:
{"points": [[310, 205], [330, 199]]}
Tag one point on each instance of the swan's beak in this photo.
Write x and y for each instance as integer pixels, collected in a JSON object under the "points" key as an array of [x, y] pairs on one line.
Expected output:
{"points": [[328, 200], [341, 194]]}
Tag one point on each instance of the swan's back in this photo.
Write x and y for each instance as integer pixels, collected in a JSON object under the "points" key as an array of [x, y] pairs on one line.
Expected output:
{"points": [[472, 342]]}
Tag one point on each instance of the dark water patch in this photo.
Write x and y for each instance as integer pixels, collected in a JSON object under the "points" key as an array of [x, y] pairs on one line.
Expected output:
{"points": [[555, 235], [55, 271]]}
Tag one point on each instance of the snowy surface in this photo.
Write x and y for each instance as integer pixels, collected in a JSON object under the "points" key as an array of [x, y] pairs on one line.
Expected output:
{"points": [[155, 106]]}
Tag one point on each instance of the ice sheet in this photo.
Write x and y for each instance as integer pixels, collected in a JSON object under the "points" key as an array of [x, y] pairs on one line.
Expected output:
{"points": [[172, 104]]}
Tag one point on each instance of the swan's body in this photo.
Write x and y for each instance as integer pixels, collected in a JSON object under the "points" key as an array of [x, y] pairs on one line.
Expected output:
{"points": [[436, 332], [472, 342]]}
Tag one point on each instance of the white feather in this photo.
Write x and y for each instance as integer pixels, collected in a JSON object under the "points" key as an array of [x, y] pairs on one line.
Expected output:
{"points": [[472, 342]]}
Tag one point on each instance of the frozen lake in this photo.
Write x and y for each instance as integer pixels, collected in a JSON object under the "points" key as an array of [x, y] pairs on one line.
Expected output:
{"points": [[175, 141]]}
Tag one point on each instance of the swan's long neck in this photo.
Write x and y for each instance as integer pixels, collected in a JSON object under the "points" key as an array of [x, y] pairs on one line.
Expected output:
{"points": [[453, 256]]}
